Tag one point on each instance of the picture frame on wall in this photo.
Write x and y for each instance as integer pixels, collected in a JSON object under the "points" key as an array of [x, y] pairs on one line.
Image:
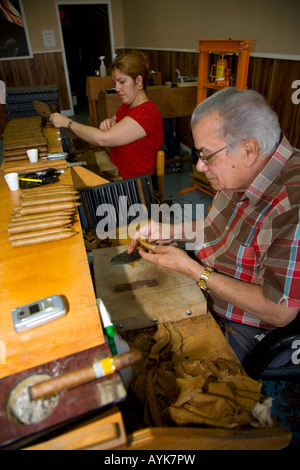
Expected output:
{"points": [[14, 37]]}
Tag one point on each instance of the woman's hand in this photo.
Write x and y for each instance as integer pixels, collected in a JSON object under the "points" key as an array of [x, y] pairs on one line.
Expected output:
{"points": [[107, 124], [59, 120]]}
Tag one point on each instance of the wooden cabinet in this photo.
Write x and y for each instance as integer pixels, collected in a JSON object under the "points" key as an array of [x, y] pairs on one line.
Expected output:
{"points": [[93, 86], [222, 46]]}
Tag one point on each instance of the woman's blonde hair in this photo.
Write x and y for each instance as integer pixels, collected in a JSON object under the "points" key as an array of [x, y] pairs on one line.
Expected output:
{"points": [[133, 64]]}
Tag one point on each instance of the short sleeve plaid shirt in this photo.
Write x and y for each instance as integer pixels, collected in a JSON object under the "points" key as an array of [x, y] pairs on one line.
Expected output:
{"points": [[255, 236]]}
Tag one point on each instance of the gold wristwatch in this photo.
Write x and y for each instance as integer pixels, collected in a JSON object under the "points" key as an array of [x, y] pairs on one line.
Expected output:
{"points": [[204, 277]]}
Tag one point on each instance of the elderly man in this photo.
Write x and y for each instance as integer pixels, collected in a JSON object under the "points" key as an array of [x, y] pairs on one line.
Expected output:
{"points": [[249, 261]]}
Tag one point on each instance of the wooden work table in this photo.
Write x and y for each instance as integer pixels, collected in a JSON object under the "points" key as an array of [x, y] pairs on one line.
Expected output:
{"points": [[61, 267], [34, 272]]}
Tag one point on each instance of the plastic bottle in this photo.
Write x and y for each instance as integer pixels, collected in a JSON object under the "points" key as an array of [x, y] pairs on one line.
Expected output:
{"points": [[102, 67], [116, 343]]}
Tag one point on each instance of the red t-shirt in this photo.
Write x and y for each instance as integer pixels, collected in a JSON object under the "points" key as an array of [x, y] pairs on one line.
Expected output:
{"points": [[139, 157]]}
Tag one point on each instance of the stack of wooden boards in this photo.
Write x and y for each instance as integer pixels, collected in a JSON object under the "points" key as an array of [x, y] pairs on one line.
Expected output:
{"points": [[22, 134], [43, 215]]}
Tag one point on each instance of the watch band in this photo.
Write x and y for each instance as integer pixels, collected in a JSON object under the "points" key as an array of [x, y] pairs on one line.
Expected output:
{"points": [[69, 125], [204, 277]]}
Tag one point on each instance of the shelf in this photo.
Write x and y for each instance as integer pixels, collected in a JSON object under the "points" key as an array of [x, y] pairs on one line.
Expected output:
{"points": [[223, 47], [212, 86]]}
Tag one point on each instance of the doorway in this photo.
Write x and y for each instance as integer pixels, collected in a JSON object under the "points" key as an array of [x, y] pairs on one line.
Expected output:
{"points": [[86, 35]]}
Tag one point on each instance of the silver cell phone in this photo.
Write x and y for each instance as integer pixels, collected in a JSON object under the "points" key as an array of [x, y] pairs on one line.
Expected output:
{"points": [[38, 313]]}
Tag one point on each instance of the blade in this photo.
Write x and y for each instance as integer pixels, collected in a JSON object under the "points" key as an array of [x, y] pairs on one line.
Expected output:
{"points": [[125, 258]]}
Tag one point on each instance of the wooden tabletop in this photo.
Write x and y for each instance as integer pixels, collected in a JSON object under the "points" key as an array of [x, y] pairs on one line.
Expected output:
{"points": [[31, 273]]}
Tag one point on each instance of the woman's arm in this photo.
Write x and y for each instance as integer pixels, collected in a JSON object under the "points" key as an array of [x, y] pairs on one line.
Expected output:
{"points": [[122, 133], [107, 124]]}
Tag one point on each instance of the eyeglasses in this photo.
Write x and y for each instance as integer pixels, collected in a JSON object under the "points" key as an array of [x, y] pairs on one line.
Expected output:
{"points": [[204, 159]]}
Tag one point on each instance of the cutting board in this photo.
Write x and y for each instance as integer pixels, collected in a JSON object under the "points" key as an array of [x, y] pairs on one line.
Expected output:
{"points": [[141, 296]]}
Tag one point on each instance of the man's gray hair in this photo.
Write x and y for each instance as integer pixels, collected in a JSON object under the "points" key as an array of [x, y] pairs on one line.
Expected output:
{"points": [[245, 115]]}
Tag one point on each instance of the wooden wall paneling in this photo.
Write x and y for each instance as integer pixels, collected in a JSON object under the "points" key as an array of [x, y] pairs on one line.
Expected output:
{"points": [[43, 69], [273, 78], [167, 62]]}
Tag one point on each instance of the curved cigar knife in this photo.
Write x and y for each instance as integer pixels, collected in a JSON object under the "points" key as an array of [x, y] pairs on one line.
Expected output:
{"points": [[124, 258]]}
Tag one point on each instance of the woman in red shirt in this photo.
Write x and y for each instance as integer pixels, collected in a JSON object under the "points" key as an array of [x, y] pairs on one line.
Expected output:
{"points": [[135, 133]]}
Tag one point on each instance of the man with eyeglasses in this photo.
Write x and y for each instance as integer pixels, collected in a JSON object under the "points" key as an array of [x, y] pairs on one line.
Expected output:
{"points": [[248, 262]]}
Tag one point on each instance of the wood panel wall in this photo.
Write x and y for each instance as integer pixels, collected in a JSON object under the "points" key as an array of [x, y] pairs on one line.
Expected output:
{"points": [[272, 78], [42, 69]]}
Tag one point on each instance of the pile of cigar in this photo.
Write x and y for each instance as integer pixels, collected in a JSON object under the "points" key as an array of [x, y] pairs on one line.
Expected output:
{"points": [[22, 134], [43, 215]]}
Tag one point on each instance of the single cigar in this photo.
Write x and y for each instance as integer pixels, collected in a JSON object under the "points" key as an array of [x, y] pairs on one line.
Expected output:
{"points": [[49, 194], [38, 233], [45, 218], [47, 200], [44, 188], [37, 226], [46, 193], [99, 369], [47, 189], [19, 217], [57, 166], [147, 245], [49, 207], [42, 239]]}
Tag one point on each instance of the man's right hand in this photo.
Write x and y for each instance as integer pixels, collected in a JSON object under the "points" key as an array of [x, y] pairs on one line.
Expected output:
{"points": [[154, 232]]}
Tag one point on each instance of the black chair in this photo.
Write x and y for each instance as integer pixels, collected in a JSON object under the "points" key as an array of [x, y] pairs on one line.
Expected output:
{"points": [[286, 338], [280, 383]]}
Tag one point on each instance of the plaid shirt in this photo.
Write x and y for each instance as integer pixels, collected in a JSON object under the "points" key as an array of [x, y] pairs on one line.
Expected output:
{"points": [[254, 236]]}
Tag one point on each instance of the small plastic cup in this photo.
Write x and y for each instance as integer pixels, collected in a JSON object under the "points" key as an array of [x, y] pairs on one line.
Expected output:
{"points": [[33, 155], [12, 180]]}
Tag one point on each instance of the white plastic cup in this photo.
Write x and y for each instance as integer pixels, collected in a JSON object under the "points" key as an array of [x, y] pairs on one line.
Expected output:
{"points": [[33, 155], [12, 180]]}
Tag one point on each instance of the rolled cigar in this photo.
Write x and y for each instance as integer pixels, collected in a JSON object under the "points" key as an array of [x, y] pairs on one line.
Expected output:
{"points": [[49, 207], [65, 192], [13, 223], [19, 236], [17, 144], [47, 200], [147, 245], [15, 158], [46, 191], [57, 165], [36, 226], [49, 188], [43, 188], [42, 239], [19, 217], [99, 369]]}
